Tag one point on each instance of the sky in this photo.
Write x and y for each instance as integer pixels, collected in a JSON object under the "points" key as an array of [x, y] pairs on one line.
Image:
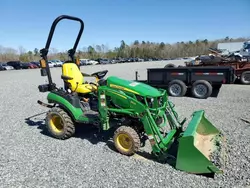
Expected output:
{"points": [[27, 23]]}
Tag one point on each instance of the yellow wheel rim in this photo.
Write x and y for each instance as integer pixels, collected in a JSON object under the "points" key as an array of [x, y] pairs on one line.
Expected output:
{"points": [[124, 142], [56, 123]]}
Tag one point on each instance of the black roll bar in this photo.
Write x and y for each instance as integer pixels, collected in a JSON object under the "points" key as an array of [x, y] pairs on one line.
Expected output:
{"points": [[71, 52], [45, 50]]}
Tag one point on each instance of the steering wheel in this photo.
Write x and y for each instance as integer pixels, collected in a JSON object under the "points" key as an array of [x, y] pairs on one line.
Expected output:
{"points": [[100, 74]]}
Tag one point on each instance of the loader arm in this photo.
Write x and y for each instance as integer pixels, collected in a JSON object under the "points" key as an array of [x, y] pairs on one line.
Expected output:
{"points": [[130, 106], [159, 143]]}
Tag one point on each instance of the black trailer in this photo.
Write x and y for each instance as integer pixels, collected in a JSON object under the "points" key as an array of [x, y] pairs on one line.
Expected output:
{"points": [[200, 80]]}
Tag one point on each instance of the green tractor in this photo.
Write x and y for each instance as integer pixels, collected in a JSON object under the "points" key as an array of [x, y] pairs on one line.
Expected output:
{"points": [[134, 111]]}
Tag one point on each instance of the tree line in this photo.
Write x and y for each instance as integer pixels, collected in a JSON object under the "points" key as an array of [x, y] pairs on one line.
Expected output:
{"points": [[138, 49]]}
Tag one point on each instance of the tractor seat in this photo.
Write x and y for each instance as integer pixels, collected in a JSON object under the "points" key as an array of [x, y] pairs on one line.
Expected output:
{"points": [[74, 79]]}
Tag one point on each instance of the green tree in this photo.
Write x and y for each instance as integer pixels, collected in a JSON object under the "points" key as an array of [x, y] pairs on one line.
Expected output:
{"points": [[205, 41], [136, 43], [91, 51], [142, 49], [36, 51], [162, 45]]}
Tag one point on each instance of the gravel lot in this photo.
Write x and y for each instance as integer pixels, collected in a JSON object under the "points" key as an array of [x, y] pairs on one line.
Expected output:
{"points": [[30, 158]]}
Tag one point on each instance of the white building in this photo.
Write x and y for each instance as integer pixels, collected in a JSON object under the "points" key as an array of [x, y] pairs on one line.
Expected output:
{"points": [[230, 46]]}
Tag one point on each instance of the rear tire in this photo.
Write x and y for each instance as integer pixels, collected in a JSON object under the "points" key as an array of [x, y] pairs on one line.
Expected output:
{"points": [[59, 124], [245, 78], [177, 88], [126, 140], [201, 89]]}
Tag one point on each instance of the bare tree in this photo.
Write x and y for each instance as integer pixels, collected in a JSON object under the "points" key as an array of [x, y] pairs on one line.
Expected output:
{"points": [[22, 50]]}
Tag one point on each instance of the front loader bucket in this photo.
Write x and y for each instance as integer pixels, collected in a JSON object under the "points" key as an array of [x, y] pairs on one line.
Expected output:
{"points": [[200, 148]]}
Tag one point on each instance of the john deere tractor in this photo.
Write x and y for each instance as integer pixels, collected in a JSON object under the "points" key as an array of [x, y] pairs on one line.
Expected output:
{"points": [[134, 110]]}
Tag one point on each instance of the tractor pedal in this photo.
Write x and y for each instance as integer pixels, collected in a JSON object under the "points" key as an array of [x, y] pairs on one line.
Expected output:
{"points": [[84, 106]]}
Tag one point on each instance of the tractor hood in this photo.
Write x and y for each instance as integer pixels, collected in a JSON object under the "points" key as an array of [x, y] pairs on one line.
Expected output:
{"points": [[132, 86]]}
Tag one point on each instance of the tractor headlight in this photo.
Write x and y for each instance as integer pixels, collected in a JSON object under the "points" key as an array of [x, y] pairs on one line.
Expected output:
{"points": [[150, 102], [160, 101]]}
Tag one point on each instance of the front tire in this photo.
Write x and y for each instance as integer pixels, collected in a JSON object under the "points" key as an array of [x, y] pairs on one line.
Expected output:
{"points": [[59, 124], [126, 140]]}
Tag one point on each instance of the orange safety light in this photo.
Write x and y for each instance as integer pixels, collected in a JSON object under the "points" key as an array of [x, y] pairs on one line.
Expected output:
{"points": [[78, 61], [43, 63]]}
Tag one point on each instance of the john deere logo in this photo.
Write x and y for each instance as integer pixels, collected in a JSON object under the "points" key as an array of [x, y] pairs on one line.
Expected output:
{"points": [[116, 86]]}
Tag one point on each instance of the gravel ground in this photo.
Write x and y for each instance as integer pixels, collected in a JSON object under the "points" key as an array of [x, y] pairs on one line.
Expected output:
{"points": [[30, 158]]}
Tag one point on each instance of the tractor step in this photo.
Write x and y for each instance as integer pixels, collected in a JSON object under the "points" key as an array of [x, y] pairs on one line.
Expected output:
{"points": [[87, 112], [91, 114]]}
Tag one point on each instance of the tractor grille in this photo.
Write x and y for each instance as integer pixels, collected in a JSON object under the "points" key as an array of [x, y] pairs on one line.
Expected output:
{"points": [[150, 101]]}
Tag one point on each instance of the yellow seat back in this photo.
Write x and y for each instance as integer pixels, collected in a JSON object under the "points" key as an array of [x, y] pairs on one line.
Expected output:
{"points": [[72, 70], [74, 79]]}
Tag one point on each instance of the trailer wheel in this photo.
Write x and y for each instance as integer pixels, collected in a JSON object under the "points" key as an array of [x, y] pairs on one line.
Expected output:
{"points": [[201, 89], [169, 65], [245, 77], [177, 88]]}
